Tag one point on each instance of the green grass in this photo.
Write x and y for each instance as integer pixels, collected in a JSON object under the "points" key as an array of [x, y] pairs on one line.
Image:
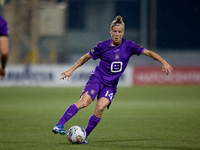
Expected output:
{"points": [[140, 118]]}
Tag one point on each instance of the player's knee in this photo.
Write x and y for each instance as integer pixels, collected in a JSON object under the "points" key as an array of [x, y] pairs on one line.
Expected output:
{"points": [[82, 104], [85, 104], [99, 110]]}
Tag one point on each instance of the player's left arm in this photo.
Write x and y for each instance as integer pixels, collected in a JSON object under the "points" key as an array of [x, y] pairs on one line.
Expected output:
{"points": [[165, 66]]}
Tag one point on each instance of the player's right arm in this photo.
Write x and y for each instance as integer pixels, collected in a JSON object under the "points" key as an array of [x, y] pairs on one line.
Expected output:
{"points": [[79, 63]]}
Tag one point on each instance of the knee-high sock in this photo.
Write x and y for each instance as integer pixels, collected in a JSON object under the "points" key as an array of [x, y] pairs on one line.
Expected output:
{"points": [[93, 121], [68, 114]]}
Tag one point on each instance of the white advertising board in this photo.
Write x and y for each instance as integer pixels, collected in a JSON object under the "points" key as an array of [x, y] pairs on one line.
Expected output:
{"points": [[49, 75]]}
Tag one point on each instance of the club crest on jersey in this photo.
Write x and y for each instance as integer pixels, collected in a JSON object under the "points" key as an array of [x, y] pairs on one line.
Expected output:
{"points": [[116, 56], [92, 91]]}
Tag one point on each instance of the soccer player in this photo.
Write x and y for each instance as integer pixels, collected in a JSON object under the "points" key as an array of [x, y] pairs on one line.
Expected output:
{"points": [[114, 55], [3, 45]]}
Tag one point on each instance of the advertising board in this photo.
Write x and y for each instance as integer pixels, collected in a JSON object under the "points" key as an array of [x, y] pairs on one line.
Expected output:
{"points": [[155, 76]]}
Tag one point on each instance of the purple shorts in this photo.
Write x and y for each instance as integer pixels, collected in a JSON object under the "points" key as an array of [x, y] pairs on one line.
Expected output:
{"points": [[97, 88]]}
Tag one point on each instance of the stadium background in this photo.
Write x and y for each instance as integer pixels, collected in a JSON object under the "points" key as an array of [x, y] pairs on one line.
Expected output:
{"points": [[55, 33]]}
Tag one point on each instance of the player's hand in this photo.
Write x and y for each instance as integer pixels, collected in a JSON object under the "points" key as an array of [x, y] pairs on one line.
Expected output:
{"points": [[167, 68], [2, 73], [66, 74]]}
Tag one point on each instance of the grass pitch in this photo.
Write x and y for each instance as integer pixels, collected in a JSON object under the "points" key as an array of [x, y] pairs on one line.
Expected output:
{"points": [[140, 118]]}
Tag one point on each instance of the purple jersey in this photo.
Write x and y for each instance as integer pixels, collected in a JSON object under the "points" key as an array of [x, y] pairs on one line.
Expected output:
{"points": [[3, 27], [113, 59]]}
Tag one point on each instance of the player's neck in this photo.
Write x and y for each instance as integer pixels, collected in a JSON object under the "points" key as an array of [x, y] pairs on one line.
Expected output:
{"points": [[115, 43]]}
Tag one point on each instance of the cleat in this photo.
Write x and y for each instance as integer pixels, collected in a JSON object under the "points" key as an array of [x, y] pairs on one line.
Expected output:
{"points": [[84, 142], [59, 129]]}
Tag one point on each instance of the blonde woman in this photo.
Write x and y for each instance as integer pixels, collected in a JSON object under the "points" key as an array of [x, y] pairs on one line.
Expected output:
{"points": [[114, 55]]}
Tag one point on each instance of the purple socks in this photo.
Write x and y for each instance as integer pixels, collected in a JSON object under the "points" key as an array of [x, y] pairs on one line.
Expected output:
{"points": [[93, 121], [69, 113]]}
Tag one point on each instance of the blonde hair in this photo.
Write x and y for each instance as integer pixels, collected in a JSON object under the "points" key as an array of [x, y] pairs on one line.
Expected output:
{"points": [[117, 22]]}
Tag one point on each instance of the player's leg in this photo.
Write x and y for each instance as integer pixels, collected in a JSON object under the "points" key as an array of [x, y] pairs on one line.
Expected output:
{"points": [[88, 94], [104, 100], [70, 112], [100, 106], [96, 117], [84, 101]]}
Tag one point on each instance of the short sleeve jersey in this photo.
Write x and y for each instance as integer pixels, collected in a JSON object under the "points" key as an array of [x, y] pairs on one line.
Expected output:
{"points": [[3, 27], [113, 59]]}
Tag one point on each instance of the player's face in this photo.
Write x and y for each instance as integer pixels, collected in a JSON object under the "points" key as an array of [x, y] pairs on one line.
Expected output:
{"points": [[117, 33]]}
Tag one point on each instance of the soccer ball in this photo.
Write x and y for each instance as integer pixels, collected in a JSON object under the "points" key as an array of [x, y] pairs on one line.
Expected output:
{"points": [[76, 134]]}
